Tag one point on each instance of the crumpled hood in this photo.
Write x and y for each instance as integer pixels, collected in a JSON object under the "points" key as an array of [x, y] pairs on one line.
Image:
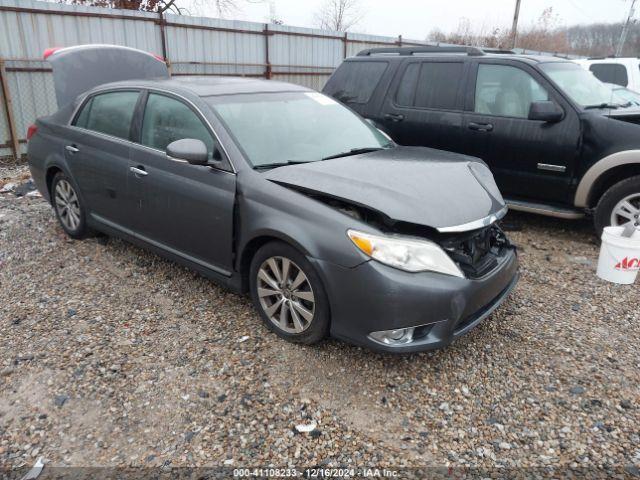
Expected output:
{"points": [[409, 184]]}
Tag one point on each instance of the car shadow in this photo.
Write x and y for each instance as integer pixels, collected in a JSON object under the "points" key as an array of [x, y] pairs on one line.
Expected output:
{"points": [[581, 230]]}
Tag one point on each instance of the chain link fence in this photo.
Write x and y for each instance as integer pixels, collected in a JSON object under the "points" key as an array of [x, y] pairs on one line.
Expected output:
{"points": [[30, 87]]}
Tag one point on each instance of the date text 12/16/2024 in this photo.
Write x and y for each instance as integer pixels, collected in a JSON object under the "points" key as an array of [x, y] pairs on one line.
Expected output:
{"points": [[314, 473]]}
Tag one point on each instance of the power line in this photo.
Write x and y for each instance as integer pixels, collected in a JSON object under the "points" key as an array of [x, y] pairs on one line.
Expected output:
{"points": [[581, 11]]}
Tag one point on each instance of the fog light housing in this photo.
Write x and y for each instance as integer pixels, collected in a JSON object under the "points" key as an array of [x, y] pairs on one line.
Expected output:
{"points": [[397, 336]]}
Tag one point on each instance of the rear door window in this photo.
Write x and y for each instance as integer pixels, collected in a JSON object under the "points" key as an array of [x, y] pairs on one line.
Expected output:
{"points": [[610, 73], [109, 113], [83, 118], [407, 88], [354, 82], [438, 85]]}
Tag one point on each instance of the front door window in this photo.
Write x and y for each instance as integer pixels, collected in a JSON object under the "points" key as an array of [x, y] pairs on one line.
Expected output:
{"points": [[167, 119], [506, 91]]}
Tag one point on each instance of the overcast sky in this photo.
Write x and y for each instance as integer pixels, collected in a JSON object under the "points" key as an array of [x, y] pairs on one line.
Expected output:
{"points": [[416, 18]]}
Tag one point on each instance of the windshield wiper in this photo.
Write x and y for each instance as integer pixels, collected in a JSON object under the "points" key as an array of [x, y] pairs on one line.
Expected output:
{"points": [[354, 151], [268, 166], [599, 106]]}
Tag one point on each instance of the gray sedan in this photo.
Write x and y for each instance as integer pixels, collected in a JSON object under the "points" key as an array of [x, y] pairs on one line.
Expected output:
{"points": [[280, 191]]}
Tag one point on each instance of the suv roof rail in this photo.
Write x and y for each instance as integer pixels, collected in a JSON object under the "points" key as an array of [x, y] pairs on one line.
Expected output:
{"points": [[407, 51], [500, 51]]}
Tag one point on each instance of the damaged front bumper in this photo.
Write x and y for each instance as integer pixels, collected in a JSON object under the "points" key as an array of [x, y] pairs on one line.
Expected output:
{"points": [[373, 297]]}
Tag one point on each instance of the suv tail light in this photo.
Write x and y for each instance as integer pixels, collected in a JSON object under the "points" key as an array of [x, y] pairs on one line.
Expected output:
{"points": [[31, 131]]}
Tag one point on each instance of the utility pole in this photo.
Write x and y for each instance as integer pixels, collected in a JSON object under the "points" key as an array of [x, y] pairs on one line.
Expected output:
{"points": [[272, 11], [514, 28], [625, 30]]}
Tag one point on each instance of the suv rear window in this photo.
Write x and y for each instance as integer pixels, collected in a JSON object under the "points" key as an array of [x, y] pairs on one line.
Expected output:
{"points": [[610, 73], [434, 85], [354, 82]]}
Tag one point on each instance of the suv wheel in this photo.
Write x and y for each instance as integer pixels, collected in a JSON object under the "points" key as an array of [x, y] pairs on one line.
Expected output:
{"points": [[288, 294], [619, 205], [68, 207]]}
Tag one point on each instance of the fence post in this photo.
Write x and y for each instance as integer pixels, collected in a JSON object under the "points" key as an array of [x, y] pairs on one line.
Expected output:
{"points": [[267, 63], [163, 40], [13, 134], [345, 39]]}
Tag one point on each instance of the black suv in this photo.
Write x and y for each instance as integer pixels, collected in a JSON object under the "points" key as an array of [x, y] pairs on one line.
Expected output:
{"points": [[557, 140]]}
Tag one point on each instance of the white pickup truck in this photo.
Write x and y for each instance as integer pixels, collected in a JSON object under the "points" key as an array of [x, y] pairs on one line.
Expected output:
{"points": [[621, 71]]}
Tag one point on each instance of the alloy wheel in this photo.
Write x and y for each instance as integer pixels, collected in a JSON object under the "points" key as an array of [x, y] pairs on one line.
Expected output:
{"points": [[285, 294], [627, 210], [67, 205]]}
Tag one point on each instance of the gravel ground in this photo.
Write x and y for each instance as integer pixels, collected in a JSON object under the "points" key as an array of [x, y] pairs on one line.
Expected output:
{"points": [[112, 356]]}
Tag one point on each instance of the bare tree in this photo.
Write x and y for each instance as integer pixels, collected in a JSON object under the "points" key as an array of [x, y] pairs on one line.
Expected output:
{"points": [[600, 39], [543, 35], [339, 15], [223, 7], [145, 5], [466, 34]]}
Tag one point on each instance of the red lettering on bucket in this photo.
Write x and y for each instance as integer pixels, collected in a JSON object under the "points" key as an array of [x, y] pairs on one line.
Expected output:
{"points": [[629, 264]]}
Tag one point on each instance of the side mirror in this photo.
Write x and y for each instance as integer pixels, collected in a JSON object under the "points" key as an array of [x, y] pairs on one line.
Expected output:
{"points": [[545, 112], [189, 150]]}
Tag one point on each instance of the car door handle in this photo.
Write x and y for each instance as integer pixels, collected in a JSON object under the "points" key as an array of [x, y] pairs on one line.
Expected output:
{"points": [[394, 117], [139, 171], [71, 149], [481, 127]]}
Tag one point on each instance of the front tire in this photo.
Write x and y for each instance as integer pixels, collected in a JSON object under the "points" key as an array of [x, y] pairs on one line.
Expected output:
{"points": [[68, 207], [288, 294], [619, 205]]}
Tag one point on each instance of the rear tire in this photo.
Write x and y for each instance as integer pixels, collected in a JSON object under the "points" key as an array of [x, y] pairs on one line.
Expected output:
{"points": [[612, 209], [288, 294], [68, 207]]}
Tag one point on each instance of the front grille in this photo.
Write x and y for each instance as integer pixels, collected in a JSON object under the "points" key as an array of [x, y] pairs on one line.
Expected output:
{"points": [[477, 252]]}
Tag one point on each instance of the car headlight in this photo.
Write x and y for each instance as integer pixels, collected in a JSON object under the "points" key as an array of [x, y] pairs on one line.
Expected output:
{"points": [[408, 254]]}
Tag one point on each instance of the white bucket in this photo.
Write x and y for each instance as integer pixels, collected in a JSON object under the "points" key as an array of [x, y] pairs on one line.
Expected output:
{"points": [[619, 256]]}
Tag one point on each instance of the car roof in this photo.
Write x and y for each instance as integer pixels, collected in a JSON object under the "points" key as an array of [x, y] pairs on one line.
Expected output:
{"points": [[612, 59], [210, 86]]}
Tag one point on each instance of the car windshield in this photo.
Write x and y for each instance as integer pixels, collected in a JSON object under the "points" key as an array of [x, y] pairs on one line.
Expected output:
{"points": [[580, 84], [624, 95], [294, 127]]}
